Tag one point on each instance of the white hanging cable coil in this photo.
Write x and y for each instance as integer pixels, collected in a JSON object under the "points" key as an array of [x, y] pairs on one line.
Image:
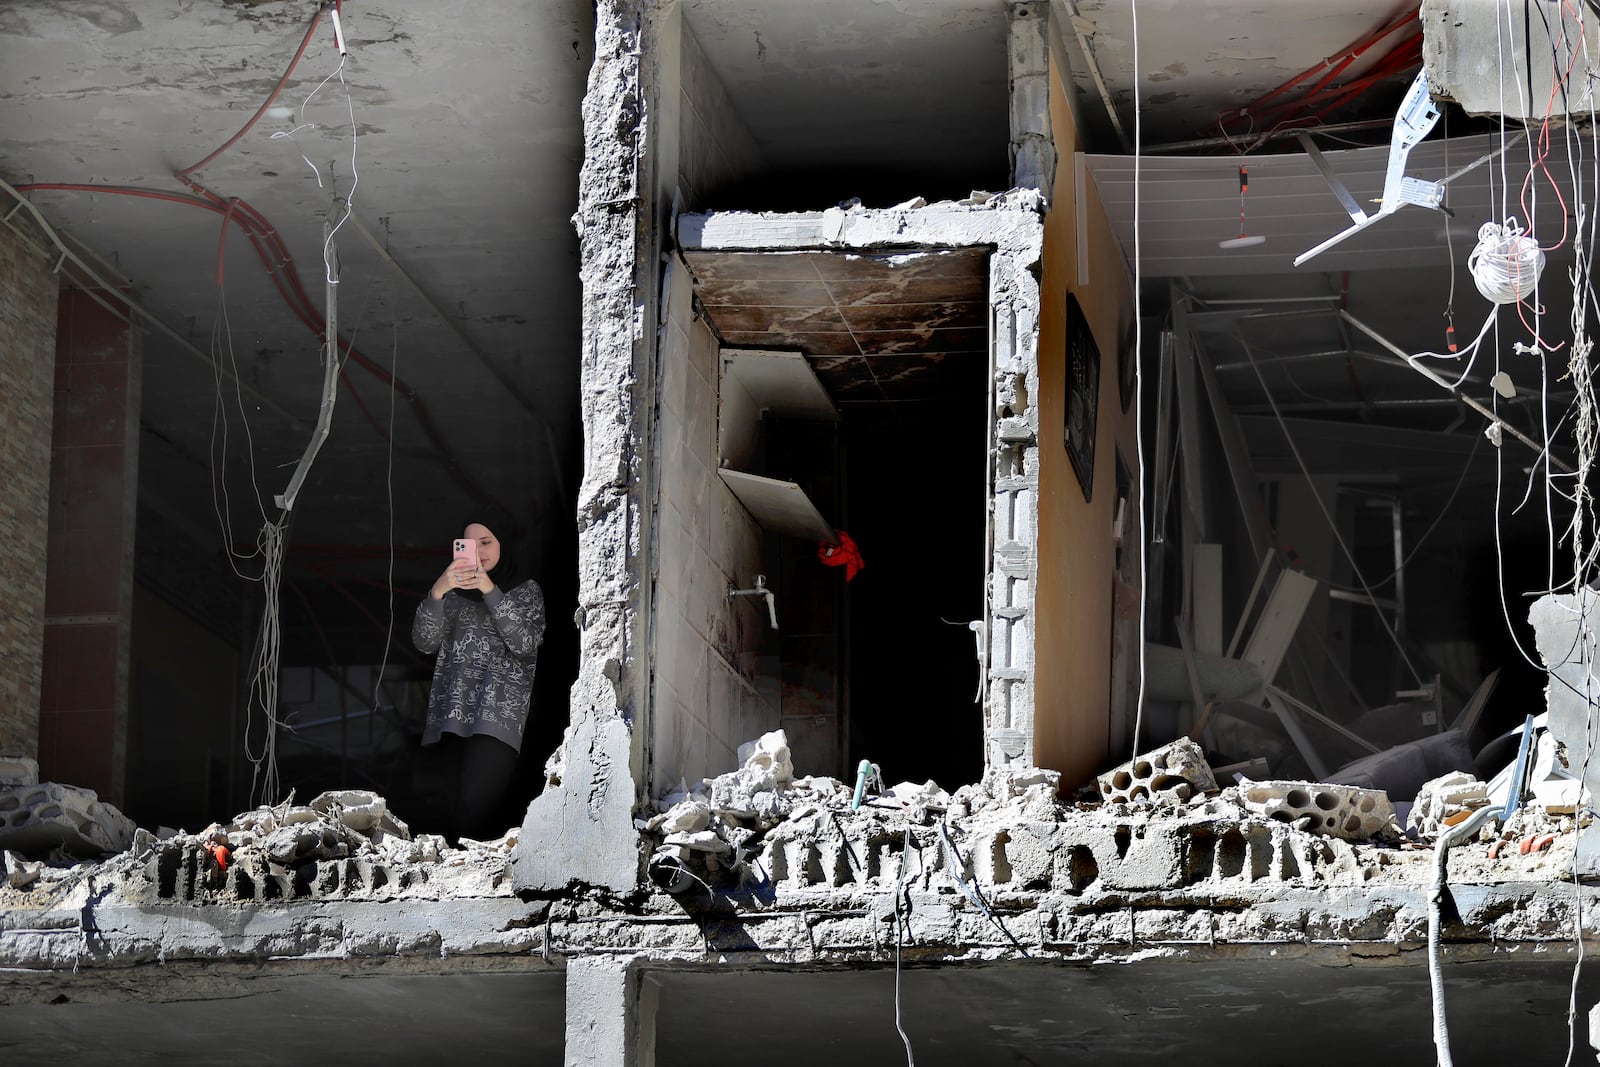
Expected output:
{"points": [[1506, 263]]}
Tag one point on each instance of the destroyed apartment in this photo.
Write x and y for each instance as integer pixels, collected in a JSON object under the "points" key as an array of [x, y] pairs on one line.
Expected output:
{"points": [[618, 532]]}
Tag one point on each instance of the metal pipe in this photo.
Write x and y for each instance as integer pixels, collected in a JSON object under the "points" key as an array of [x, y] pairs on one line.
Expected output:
{"points": [[1427, 373], [1271, 135], [135, 307], [760, 590], [1327, 298], [1358, 405], [1094, 73], [330, 381]]}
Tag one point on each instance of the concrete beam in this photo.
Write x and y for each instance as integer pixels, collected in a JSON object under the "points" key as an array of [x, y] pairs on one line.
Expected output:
{"points": [[611, 1013], [1492, 60], [1033, 150]]}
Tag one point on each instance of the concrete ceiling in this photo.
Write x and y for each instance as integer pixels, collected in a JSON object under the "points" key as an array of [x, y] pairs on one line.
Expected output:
{"points": [[466, 148], [1266, 1011], [463, 165], [1199, 60], [912, 92]]}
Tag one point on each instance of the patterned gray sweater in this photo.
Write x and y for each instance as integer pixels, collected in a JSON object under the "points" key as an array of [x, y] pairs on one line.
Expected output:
{"points": [[483, 678]]}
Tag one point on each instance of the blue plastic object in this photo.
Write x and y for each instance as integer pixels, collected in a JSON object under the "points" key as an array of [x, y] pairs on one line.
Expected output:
{"points": [[866, 774]]}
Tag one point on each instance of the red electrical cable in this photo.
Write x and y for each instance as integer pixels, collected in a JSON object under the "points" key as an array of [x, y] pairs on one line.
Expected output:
{"points": [[276, 89], [279, 263], [1348, 55], [1259, 112], [246, 217]]}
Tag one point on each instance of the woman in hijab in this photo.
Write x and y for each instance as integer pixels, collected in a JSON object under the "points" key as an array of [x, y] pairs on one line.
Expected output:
{"points": [[487, 637]]}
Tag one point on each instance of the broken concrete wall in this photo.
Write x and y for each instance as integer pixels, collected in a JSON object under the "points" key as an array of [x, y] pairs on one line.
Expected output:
{"points": [[27, 374], [1492, 60], [1085, 612], [1565, 631], [579, 829], [704, 702], [658, 128]]}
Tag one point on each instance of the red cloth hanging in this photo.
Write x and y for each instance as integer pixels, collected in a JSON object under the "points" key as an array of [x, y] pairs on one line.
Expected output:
{"points": [[844, 554]]}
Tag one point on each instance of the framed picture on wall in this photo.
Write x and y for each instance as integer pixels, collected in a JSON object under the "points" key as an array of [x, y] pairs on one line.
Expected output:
{"points": [[1083, 395]]}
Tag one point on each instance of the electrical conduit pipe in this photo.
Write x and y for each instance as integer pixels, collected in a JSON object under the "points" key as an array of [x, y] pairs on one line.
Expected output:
{"points": [[1452, 836]]}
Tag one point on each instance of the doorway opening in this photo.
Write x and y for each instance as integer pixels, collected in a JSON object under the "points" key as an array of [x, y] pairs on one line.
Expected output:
{"points": [[884, 666]]}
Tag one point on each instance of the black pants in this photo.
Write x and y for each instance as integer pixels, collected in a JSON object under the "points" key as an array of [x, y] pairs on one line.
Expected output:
{"points": [[476, 773]]}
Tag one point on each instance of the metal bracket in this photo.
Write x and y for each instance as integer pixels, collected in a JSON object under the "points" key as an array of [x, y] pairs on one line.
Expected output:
{"points": [[1416, 117]]}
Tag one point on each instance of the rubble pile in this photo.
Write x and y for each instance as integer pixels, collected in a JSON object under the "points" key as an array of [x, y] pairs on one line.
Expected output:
{"points": [[1161, 823], [344, 843], [1445, 802]]}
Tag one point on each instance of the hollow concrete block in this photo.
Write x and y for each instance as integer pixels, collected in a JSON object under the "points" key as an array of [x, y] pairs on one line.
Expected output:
{"points": [[1168, 775], [1320, 807]]}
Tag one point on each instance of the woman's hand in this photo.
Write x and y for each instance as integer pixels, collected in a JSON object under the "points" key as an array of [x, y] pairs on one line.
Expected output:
{"points": [[461, 574]]}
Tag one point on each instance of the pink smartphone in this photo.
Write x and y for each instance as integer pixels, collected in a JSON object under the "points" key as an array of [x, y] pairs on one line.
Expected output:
{"points": [[467, 549]]}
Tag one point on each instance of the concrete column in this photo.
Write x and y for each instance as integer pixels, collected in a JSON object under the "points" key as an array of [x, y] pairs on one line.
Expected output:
{"points": [[27, 364], [83, 711], [611, 1013], [1033, 151]]}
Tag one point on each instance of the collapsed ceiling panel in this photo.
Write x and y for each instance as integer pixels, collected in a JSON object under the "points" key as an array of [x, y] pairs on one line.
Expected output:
{"points": [[1188, 206], [876, 327]]}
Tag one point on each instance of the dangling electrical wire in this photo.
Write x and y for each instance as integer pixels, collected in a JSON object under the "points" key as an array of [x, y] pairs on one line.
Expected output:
{"points": [[262, 697], [1333, 526], [1145, 522], [902, 889], [1581, 374], [394, 372]]}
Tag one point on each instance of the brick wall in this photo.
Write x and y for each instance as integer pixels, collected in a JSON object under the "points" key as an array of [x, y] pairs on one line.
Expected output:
{"points": [[27, 369]]}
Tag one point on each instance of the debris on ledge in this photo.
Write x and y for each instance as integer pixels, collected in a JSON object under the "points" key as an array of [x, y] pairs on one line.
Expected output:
{"points": [[36, 817], [344, 844], [759, 834]]}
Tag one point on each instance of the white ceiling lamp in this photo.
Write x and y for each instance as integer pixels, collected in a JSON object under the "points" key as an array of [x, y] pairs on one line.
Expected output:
{"points": [[1244, 240]]}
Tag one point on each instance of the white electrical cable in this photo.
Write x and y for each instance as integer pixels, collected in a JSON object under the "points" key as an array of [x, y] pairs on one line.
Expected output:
{"points": [[1583, 562], [902, 887], [1506, 263], [1138, 377], [355, 176], [1441, 853], [263, 692], [388, 633]]}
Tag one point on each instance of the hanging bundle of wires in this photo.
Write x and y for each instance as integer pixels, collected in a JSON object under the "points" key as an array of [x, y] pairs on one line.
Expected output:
{"points": [[1507, 262]]}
